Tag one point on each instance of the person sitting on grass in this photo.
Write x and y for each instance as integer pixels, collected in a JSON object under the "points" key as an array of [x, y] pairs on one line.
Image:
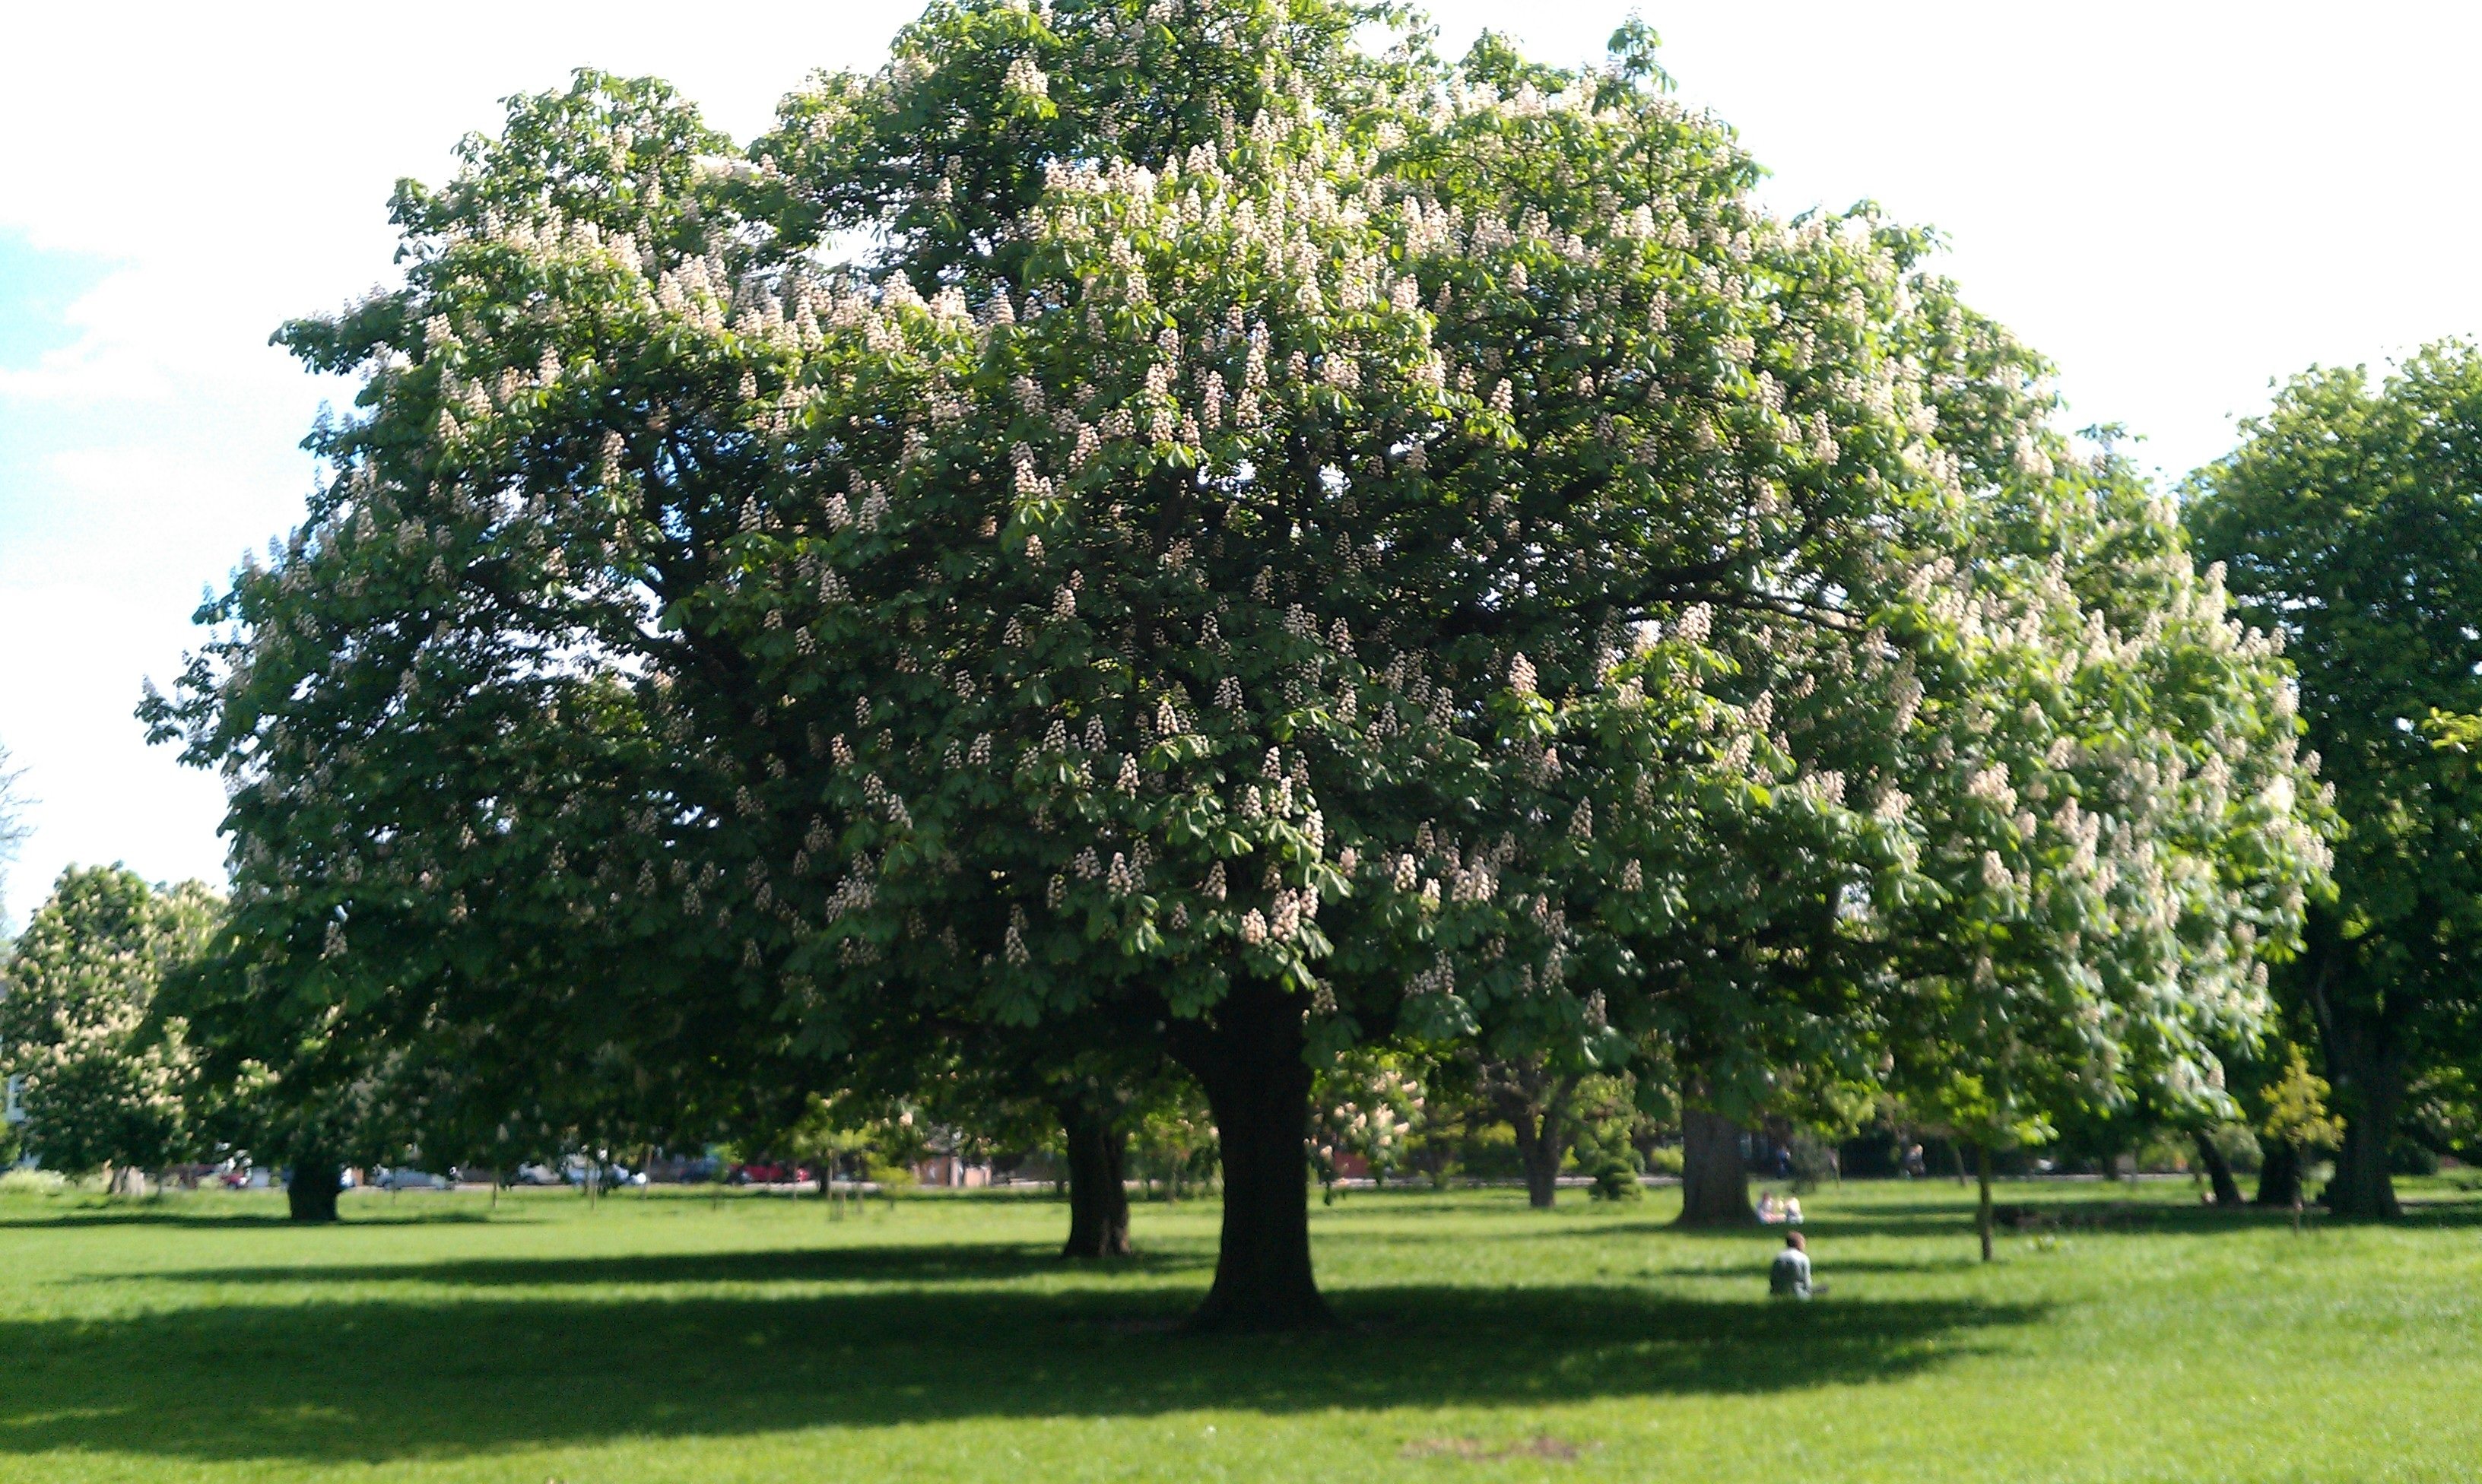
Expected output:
{"points": [[1789, 1276]]}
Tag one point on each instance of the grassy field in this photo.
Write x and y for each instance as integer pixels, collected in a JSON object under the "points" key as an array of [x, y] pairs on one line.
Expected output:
{"points": [[676, 1337]]}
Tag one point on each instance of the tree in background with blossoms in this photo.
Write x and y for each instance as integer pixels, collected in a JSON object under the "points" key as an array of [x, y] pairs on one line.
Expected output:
{"points": [[105, 1082], [1368, 1104]]}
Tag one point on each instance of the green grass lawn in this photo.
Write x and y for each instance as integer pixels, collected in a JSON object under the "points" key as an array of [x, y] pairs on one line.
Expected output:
{"points": [[678, 1337]]}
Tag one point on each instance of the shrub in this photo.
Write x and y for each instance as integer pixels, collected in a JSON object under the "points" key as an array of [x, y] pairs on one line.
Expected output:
{"points": [[2240, 1147], [2165, 1154], [2408, 1157], [33, 1182], [1813, 1163], [1616, 1180]]}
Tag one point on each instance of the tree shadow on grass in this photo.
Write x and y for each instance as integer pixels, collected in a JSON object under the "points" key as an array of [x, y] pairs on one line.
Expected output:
{"points": [[232, 1222], [432, 1375], [1818, 1224], [1828, 1268], [890, 1263]]}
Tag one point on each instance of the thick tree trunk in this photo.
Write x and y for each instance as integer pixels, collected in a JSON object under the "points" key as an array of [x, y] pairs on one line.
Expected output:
{"points": [[1535, 1104], [1098, 1200], [2364, 1185], [2279, 1179], [1538, 1149], [2365, 1065], [1715, 1184], [1982, 1210], [2219, 1170], [310, 1190], [2369, 1092], [1249, 1060]]}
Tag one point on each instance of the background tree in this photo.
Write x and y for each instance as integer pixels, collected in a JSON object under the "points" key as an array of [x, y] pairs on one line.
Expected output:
{"points": [[1082, 1084], [2297, 1120], [1533, 1098], [2346, 522], [13, 833], [1611, 1133], [1367, 1106], [1174, 1138], [102, 1078], [14, 828], [2084, 833], [2160, 735]]}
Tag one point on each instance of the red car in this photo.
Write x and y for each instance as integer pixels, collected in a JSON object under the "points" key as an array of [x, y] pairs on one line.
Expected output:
{"points": [[766, 1174]]}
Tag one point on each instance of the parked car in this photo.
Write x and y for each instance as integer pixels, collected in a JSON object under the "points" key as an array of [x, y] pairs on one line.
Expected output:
{"points": [[763, 1173], [412, 1180], [676, 1170]]}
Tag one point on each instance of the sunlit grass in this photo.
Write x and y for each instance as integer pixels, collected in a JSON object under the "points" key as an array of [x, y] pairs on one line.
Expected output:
{"points": [[682, 1336]]}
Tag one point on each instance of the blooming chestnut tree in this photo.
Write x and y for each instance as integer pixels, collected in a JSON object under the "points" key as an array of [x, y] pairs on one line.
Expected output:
{"points": [[1367, 1105], [1138, 507], [102, 1078], [2017, 823]]}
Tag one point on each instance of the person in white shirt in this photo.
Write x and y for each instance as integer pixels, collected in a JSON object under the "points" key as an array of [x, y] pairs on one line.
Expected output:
{"points": [[1789, 1276]]}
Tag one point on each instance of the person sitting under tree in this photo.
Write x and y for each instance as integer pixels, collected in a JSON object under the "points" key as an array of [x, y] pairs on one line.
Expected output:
{"points": [[1789, 1276]]}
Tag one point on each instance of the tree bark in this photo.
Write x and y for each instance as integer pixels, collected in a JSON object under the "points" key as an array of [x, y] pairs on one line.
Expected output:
{"points": [[2370, 1087], [1541, 1129], [2363, 1184], [310, 1190], [1248, 1058], [1538, 1149], [2219, 1170], [2366, 1064], [1715, 1184], [2279, 1179], [1098, 1199], [1982, 1210]]}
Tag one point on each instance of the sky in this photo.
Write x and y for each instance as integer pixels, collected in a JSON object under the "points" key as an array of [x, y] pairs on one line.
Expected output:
{"points": [[2177, 202]]}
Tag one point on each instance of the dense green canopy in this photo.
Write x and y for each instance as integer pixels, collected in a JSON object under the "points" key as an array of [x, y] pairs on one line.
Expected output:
{"points": [[2348, 520]]}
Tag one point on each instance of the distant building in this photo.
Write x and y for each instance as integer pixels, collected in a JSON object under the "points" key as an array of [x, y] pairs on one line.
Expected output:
{"points": [[949, 1172]]}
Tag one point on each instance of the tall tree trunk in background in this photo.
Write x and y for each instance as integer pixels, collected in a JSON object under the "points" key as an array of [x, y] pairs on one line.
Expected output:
{"points": [[2364, 1185], [1982, 1210], [1099, 1198], [1714, 1182], [1247, 1056], [2279, 1179], [2219, 1170], [2365, 1065], [1536, 1105], [311, 1190], [1540, 1161]]}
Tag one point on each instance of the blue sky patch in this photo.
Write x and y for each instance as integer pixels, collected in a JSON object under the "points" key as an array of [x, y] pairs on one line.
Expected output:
{"points": [[36, 290]]}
